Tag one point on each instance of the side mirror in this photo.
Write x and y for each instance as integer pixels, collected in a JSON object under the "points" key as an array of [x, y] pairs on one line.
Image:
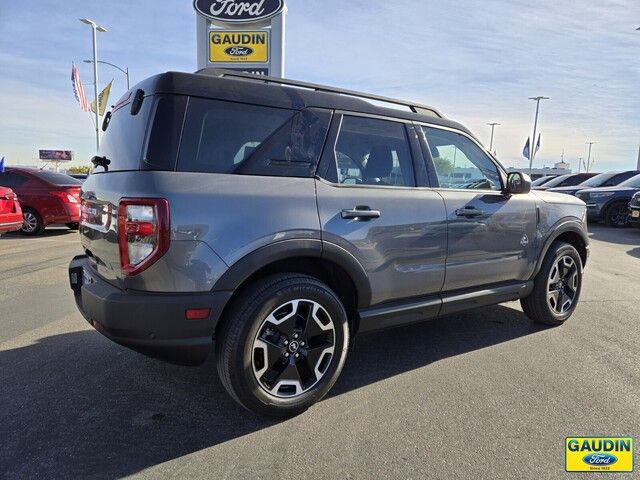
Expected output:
{"points": [[518, 182]]}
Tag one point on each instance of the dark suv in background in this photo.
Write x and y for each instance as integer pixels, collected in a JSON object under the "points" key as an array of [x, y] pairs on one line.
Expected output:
{"points": [[279, 219], [568, 180], [610, 204]]}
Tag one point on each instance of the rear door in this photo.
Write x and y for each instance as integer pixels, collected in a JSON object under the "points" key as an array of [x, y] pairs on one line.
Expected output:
{"points": [[491, 234], [374, 203]]}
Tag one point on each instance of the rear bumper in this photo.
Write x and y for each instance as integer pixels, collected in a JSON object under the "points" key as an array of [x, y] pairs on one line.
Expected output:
{"points": [[10, 224], [150, 323]]}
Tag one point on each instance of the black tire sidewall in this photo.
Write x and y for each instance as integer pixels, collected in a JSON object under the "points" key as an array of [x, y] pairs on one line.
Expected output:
{"points": [[246, 385]]}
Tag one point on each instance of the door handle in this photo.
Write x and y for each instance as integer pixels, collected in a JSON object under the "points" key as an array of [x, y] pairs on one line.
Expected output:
{"points": [[361, 212], [468, 212]]}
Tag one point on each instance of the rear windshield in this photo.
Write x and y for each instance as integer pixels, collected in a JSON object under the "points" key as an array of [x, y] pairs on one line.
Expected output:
{"points": [[59, 179]]}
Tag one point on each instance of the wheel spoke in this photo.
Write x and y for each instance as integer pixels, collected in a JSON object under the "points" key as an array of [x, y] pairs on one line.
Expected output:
{"points": [[555, 296]]}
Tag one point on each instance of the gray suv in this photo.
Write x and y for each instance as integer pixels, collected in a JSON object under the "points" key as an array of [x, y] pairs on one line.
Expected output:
{"points": [[277, 220]]}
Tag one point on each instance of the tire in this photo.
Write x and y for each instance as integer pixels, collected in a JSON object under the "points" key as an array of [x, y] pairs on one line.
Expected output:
{"points": [[617, 215], [33, 224], [546, 303], [257, 339], [73, 226]]}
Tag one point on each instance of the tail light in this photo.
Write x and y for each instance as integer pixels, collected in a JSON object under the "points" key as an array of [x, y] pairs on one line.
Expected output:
{"points": [[66, 197], [143, 233]]}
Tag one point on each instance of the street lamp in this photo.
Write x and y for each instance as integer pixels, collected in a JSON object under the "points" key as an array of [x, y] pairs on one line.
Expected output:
{"points": [[95, 28], [493, 125], [588, 166], [532, 147], [123, 70]]}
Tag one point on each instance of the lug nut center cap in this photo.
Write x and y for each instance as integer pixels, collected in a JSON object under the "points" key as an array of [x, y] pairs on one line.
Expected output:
{"points": [[293, 346]]}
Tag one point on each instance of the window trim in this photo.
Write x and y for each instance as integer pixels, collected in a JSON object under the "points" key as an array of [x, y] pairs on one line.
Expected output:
{"points": [[329, 158], [431, 168]]}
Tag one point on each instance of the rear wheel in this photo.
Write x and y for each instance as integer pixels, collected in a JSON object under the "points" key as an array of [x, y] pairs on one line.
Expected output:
{"points": [[617, 215], [282, 345], [32, 222], [556, 287]]}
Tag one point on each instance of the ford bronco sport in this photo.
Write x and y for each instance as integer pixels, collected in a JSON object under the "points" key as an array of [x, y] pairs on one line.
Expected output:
{"points": [[278, 219]]}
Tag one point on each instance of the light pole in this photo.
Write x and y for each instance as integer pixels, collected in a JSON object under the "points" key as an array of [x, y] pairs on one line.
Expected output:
{"points": [[580, 163], [95, 28], [493, 125], [123, 70], [589, 156], [532, 147]]}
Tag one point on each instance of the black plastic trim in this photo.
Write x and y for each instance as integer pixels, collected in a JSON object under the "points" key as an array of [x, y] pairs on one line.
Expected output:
{"points": [[563, 226]]}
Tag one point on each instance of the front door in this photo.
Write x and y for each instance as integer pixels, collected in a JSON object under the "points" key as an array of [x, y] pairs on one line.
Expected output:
{"points": [[370, 205], [491, 234]]}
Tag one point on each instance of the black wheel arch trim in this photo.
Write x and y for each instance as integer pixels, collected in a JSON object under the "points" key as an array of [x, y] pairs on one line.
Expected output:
{"points": [[241, 270], [561, 227]]}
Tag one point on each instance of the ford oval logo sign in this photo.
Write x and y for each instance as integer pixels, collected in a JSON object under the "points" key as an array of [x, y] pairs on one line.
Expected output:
{"points": [[238, 11], [599, 459], [238, 51]]}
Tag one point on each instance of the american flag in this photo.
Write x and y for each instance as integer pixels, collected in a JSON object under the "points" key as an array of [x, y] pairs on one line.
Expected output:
{"points": [[78, 89]]}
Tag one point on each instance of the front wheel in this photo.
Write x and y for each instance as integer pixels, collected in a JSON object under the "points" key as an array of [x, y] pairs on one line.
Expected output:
{"points": [[618, 215], [282, 345], [556, 287]]}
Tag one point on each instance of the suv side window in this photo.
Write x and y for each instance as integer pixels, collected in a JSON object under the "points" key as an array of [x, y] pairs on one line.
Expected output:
{"points": [[371, 151], [459, 162], [219, 136]]}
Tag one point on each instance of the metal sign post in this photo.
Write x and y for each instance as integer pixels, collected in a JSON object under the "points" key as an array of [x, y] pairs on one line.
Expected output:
{"points": [[241, 35]]}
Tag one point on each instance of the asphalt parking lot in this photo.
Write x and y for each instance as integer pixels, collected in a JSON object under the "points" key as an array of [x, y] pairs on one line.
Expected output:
{"points": [[485, 394]]}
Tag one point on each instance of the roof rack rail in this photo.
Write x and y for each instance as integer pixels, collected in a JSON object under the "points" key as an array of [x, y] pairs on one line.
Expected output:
{"points": [[413, 106]]}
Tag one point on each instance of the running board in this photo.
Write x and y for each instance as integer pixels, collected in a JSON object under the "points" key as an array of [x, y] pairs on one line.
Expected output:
{"points": [[417, 310]]}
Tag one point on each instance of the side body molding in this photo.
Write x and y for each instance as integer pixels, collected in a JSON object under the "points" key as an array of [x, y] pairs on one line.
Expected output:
{"points": [[561, 227], [296, 248]]}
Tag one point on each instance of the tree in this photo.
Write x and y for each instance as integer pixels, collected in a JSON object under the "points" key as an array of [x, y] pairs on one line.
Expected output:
{"points": [[444, 166], [80, 170]]}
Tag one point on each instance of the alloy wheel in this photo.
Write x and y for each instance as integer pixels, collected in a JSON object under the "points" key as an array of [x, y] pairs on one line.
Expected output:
{"points": [[562, 285], [30, 222], [619, 215], [293, 348]]}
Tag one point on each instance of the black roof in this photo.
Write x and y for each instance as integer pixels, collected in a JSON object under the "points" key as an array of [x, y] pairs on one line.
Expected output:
{"points": [[285, 93]]}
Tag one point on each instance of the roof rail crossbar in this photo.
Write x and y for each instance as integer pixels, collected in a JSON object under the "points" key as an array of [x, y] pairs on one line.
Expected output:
{"points": [[413, 106]]}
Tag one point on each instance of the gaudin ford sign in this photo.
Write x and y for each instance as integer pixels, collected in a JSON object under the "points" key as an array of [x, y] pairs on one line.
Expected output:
{"points": [[238, 11]]}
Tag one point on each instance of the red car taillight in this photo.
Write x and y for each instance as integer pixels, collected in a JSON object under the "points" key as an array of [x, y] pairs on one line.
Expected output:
{"points": [[66, 197], [143, 232]]}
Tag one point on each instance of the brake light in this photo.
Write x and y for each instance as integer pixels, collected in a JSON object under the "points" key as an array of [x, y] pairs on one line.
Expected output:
{"points": [[66, 197], [143, 232]]}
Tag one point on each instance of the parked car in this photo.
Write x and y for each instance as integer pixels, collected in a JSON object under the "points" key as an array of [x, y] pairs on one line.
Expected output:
{"points": [[47, 198], [10, 211], [79, 176], [608, 179], [610, 204], [542, 180], [634, 210], [567, 180], [280, 219]]}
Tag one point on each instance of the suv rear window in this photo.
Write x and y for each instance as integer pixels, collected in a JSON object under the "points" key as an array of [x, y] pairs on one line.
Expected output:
{"points": [[219, 136], [59, 179]]}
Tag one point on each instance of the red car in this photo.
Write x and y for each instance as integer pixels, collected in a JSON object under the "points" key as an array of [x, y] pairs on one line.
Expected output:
{"points": [[47, 198], [10, 211]]}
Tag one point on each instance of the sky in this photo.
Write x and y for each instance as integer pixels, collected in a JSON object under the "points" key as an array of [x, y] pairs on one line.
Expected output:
{"points": [[476, 61]]}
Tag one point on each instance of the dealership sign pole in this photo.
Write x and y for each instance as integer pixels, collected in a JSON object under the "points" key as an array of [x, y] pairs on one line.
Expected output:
{"points": [[241, 35]]}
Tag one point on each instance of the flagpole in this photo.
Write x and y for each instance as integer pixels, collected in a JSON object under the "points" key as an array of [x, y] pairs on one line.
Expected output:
{"points": [[532, 147], [94, 29]]}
